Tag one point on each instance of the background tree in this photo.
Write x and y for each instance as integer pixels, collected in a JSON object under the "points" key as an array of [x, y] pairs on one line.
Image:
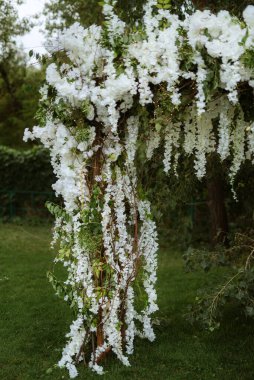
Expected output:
{"points": [[19, 82], [63, 13], [235, 7]]}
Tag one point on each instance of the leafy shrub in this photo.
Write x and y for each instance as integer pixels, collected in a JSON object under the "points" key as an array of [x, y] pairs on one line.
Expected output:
{"points": [[237, 289]]}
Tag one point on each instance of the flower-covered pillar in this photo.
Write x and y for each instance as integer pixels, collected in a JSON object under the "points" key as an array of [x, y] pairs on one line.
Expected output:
{"points": [[128, 242], [106, 233]]}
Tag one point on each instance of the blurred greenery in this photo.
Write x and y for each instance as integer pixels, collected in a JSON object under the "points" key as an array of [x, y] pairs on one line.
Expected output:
{"points": [[234, 6], [63, 13], [19, 82], [18, 102], [34, 162], [24, 194]]}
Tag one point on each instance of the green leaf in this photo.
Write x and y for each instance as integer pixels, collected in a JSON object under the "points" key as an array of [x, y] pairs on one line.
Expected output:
{"points": [[250, 311], [49, 371], [158, 127]]}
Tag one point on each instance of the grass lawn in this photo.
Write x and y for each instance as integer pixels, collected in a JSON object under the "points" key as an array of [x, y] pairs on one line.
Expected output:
{"points": [[33, 322]]}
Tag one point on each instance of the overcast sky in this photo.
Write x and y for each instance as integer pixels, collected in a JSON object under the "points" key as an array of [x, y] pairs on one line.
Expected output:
{"points": [[34, 39]]}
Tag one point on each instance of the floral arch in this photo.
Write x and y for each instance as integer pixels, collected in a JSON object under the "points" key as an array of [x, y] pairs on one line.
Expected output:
{"points": [[110, 90]]}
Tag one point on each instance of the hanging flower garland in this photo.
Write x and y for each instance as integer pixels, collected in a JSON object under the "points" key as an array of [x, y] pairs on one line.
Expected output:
{"points": [[108, 89]]}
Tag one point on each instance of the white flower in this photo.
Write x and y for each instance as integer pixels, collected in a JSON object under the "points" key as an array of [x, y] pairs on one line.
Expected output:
{"points": [[28, 135], [248, 15]]}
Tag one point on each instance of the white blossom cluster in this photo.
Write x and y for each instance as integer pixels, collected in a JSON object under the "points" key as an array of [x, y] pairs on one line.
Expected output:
{"points": [[199, 136], [92, 129]]}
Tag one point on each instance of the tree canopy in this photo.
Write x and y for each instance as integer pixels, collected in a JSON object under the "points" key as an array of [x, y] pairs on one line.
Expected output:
{"points": [[19, 83]]}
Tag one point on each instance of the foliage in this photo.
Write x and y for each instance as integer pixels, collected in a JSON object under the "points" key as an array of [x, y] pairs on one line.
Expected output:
{"points": [[61, 14], [35, 163], [18, 103], [11, 26], [237, 289], [203, 258], [234, 6], [66, 12], [19, 83]]}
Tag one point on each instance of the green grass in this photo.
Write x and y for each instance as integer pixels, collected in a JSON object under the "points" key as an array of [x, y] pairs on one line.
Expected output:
{"points": [[33, 322]]}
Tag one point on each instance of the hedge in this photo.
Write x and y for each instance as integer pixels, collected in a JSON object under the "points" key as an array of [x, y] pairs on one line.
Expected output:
{"points": [[26, 175]]}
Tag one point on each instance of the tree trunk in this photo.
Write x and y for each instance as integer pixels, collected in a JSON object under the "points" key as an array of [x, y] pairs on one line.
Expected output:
{"points": [[216, 203], [200, 4]]}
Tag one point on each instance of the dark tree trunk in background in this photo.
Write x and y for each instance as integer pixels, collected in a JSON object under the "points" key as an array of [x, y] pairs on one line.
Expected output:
{"points": [[215, 189], [216, 203], [200, 4]]}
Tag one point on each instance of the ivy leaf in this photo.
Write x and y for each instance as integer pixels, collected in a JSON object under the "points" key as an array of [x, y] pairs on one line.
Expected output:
{"points": [[249, 311]]}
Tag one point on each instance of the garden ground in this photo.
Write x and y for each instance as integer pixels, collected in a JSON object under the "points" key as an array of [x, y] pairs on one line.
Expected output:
{"points": [[33, 322]]}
